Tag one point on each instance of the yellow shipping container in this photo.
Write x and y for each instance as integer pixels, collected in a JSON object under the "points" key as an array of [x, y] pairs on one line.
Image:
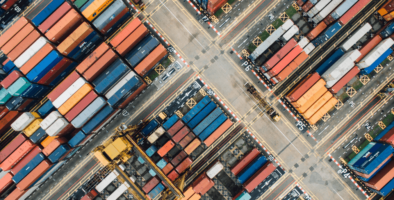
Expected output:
{"points": [[317, 105], [322, 111], [192, 146], [94, 9], [120, 144], [33, 127], [111, 151], [308, 95], [47, 140], [382, 12], [311, 101], [75, 98]]}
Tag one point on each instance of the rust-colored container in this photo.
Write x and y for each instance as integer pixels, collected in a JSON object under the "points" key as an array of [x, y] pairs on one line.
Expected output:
{"points": [[285, 61], [192, 146], [218, 132], [150, 184], [111, 24], [389, 16], [7, 4], [53, 145], [307, 6], [259, 176], [215, 5], [15, 194], [344, 80], [181, 134], [6, 182], [323, 110], [55, 71], [386, 8], [12, 31], [17, 155], [11, 78], [34, 175], [7, 120], [187, 139], [388, 137], [14, 144], [64, 26], [312, 100], [245, 161], [54, 17], [3, 112], [151, 60], [353, 11], [200, 183], [80, 106], [47, 141], [126, 31], [280, 54], [33, 61], [75, 98], [375, 170], [102, 63], [188, 193], [206, 188], [195, 196], [66, 83], [300, 2], [372, 43], [319, 85], [286, 72], [26, 160], [316, 31], [167, 169], [21, 47], [184, 165], [22, 34], [317, 105], [173, 175], [130, 41], [92, 58], [75, 38], [302, 87], [166, 148], [178, 158], [382, 177], [176, 127], [131, 97]]}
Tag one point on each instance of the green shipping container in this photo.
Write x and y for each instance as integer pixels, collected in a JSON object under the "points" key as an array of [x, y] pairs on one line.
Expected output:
{"points": [[19, 86], [80, 3], [4, 96]]}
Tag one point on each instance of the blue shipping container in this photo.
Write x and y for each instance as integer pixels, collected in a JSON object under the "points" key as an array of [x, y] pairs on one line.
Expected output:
{"points": [[156, 191], [151, 150], [4, 96], [15, 102], [35, 91], [38, 136], [170, 122], [59, 152], [161, 164], [97, 119], [63, 75], [148, 129], [196, 109], [388, 30], [88, 112], [8, 67], [330, 31], [204, 4], [201, 115], [86, 46], [343, 8], [42, 68], [109, 14], [48, 10], [139, 52], [374, 160], [45, 109], [28, 168], [78, 138], [367, 179], [130, 86], [244, 196], [212, 127], [110, 77], [360, 154], [207, 121], [387, 129], [117, 24], [251, 169], [386, 189], [152, 173], [330, 61], [142, 161], [369, 69]]}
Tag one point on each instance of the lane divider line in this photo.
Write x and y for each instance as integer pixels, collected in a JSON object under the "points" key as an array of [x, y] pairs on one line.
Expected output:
{"points": [[298, 185], [350, 177], [157, 32], [132, 5], [218, 98], [281, 102], [217, 32], [239, 56], [265, 149], [180, 57], [194, 7]]}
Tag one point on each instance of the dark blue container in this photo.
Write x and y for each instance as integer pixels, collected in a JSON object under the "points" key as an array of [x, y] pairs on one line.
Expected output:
{"points": [[63, 75], [85, 47], [204, 4], [79, 137], [170, 122], [44, 66], [58, 154], [369, 69], [35, 91], [110, 76], [45, 109], [326, 35], [28, 168], [251, 169], [151, 150], [118, 24], [73, 152], [381, 167], [8, 66], [365, 154], [330, 61], [388, 30], [156, 191], [97, 119], [130, 86], [86, 5], [38, 136], [148, 129], [196, 109], [201, 115], [139, 52], [212, 127], [374, 159], [15, 102], [386, 189], [387, 129], [48, 10], [128, 94], [360, 154], [207, 121]]}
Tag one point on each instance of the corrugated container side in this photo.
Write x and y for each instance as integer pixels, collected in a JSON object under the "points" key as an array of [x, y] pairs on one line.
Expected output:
{"points": [[181, 134], [307, 95], [99, 118], [285, 61], [23, 45], [75, 38], [6, 182], [192, 146], [75, 98], [246, 160], [317, 105], [151, 60], [54, 17], [13, 30], [183, 165], [59, 153], [94, 9], [212, 127], [22, 34], [126, 31], [251, 169], [98, 67], [28, 168], [34, 175], [166, 148], [33, 153], [196, 109], [344, 80], [218, 132], [280, 54], [66, 83], [52, 146], [30, 52], [88, 112], [382, 177], [316, 31], [150, 184], [207, 121], [64, 27], [302, 87], [187, 139], [46, 12], [323, 110], [175, 128], [92, 58], [178, 158], [170, 122], [17, 155], [37, 58], [133, 39], [202, 115], [81, 106], [10, 148], [353, 11], [256, 179], [311, 101], [7, 120]]}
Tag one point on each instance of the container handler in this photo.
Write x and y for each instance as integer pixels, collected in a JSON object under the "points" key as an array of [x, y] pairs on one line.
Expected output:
{"points": [[262, 103]]}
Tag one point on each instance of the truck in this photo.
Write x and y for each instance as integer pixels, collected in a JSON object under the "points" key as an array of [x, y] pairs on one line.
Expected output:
{"points": [[270, 111]]}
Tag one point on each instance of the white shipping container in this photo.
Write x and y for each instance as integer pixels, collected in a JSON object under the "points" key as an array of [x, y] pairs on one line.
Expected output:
{"points": [[118, 192], [214, 170], [317, 8], [327, 10], [120, 84], [48, 121], [309, 48], [106, 181], [88, 112], [290, 33], [375, 53], [57, 127], [155, 135], [356, 36], [23, 121], [69, 92], [288, 24], [303, 42], [30, 52]]}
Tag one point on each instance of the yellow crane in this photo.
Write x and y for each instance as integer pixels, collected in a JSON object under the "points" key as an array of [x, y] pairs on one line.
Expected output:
{"points": [[262, 103]]}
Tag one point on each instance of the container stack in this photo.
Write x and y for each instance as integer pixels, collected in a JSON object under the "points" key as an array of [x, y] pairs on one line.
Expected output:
{"points": [[387, 11], [9, 9]]}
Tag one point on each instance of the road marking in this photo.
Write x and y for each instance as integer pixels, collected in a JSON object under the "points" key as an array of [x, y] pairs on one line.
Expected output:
{"points": [[157, 32], [217, 32], [298, 185], [194, 7], [132, 5], [239, 56]]}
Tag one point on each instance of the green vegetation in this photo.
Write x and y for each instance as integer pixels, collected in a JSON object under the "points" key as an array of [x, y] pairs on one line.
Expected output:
{"points": [[350, 157], [291, 11], [389, 118], [277, 23], [166, 62], [263, 36], [384, 62], [375, 132], [218, 13], [251, 47], [357, 85], [231, 1], [152, 75]]}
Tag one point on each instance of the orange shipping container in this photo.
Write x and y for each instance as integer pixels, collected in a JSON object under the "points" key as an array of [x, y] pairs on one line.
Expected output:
{"points": [[92, 58], [102, 63], [382, 177], [75, 38], [151, 60], [389, 16], [17, 155], [53, 145], [192, 146], [386, 8], [12, 43], [18, 50], [200, 183], [369, 46], [33, 61], [15, 194], [12, 31], [5, 182], [36, 173], [292, 66], [317, 105], [166, 148], [316, 31], [218, 132], [184, 165], [47, 141], [302, 87], [313, 90], [312, 100], [195, 197], [167, 169], [322, 111], [128, 43], [126, 31], [75, 98], [188, 193], [64, 27], [95, 8]]}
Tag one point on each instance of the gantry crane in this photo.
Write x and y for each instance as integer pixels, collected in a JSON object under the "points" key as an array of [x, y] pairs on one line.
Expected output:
{"points": [[262, 103]]}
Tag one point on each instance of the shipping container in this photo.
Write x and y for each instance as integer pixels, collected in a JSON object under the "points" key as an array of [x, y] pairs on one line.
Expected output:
{"points": [[155, 135], [23, 45], [187, 139], [303, 42], [45, 109], [150, 127], [290, 33], [375, 53], [291, 67], [15, 194], [156, 191], [66, 83], [389, 30], [151, 60], [212, 127], [88, 112], [13, 30], [12, 146], [32, 128], [141, 50], [386, 8], [388, 135], [106, 181], [279, 55], [195, 196], [28, 168], [17, 38], [207, 121], [46, 12], [21, 164], [317, 105], [178, 158], [251, 169], [369, 46], [95, 8], [126, 31], [131, 96], [167, 169], [3, 112], [102, 63], [75, 98], [7, 120], [175, 128], [161, 164], [317, 8], [387, 189], [150, 184], [367, 177], [54, 17], [126, 86], [114, 13], [377, 62], [37, 58], [215, 5], [243, 195], [6, 182], [59, 127], [59, 153], [17, 155], [19, 86], [133, 39], [302, 87], [97, 120], [80, 106], [38, 136], [356, 36], [202, 115], [312, 100], [92, 58], [47, 141], [246, 160], [50, 119], [309, 94], [326, 35], [166, 148], [306, 7], [170, 122], [327, 10], [110, 76], [215, 169], [34, 175], [378, 153], [64, 27], [341, 10], [192, 146], [200, 183], [30, 52], [74, 39], [382, 177], [196, 109], [301, 2], [344, 80], [181, 134], [53, 145], [259, 177], [285, 61], [330, 61], [24, 120], [323, 110], [183, 165], [188, 192], [4, 96]]}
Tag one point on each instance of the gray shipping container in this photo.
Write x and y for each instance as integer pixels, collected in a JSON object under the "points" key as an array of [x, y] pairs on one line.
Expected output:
{"points": [[89, 112], [113, 10], [343, 8]]}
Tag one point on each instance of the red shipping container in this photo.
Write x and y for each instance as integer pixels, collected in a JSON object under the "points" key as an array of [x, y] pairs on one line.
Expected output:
{"points": [[11, 78], [168, 168], [12, 31], [3, 112], [17, 155], [382, 177], [259, 177], [22, 34], [66, 83], [37, 58], [53, 145], [54, 17], [6, 182], [181, 134], [7, 120], [218, 132], [285, 61], [7, 5], [187, 139], [55, 71], [64, 27], [14, 144], [25, 104], [133, 39], [353, 11], [150, 184], [388, 137], [26, 160], [110, 25], [372, 43], [6, 61], [25, 43], [126, 31], [176, 127], [245, 161], [284, 73], [102, 63], [165, 148], [306, 7], [200, 183], [316, 31], [215, 5], [207, 187], [184, 165], [280, 54], [178, 158], [300, 2], [376, 169], [151, 60], [131, 97], [34, 175], [173, 175], [74, 112], [92, 58], [344, 80], [302, 87], [68, 129], [15, 194]]}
